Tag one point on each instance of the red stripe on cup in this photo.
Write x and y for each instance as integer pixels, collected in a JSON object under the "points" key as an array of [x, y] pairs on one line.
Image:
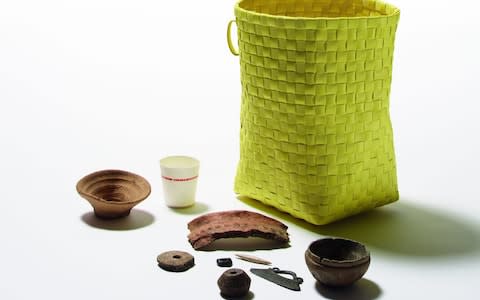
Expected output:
{"points": [[179, 179]]}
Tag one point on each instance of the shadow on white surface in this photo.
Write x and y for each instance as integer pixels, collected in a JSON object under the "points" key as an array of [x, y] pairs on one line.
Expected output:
{"points": [[137, 219], [196, 209], [400, 228], [363, 289], [248, 296], [244, 244]]}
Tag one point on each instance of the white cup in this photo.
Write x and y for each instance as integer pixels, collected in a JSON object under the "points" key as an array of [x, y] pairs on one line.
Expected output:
{"points": [[179, 176]]}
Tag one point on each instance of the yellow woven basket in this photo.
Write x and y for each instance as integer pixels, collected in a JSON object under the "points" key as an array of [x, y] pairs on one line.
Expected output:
{"points": [[316, 137]]}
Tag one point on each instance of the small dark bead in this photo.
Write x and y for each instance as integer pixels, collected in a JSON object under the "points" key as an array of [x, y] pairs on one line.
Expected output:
{"points": [[224, 262]]}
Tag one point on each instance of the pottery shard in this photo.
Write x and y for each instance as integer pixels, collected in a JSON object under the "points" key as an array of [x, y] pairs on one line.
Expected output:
{"points": [[231, 224]]}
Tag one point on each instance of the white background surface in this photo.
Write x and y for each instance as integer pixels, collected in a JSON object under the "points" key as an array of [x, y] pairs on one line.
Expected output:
{"points": [[95, 84]]}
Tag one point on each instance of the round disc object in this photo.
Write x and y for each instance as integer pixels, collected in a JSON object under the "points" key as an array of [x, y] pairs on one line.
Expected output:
{"points": [[175, 261]]}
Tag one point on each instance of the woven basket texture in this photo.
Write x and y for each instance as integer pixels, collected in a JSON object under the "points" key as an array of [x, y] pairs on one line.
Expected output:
{"points": [[316, 138]]}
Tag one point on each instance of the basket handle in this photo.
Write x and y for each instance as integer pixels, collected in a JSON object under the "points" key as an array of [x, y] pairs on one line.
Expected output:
{"points": [[229, 38]]}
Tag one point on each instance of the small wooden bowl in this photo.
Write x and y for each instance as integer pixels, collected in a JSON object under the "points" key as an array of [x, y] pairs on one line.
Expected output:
{"points": [[113, 193], [337, 261]]}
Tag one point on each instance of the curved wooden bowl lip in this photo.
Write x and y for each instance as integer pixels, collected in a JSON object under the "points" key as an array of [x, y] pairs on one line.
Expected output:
{"points": [[345, 263], [146, 189]]}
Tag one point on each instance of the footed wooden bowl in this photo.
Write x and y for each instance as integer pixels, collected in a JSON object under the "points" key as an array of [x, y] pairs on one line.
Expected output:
{"points": [[113, 193], [337, 261]]}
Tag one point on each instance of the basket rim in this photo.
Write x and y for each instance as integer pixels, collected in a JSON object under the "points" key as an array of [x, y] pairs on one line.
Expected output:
{"points": [[396, 12]]}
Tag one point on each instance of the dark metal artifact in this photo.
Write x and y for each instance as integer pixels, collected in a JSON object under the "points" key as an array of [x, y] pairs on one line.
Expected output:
{"points": [[272, 274]]}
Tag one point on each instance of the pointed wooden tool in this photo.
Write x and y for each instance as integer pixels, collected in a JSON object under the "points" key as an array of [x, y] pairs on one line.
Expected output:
{"points": [[253, 259]]}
